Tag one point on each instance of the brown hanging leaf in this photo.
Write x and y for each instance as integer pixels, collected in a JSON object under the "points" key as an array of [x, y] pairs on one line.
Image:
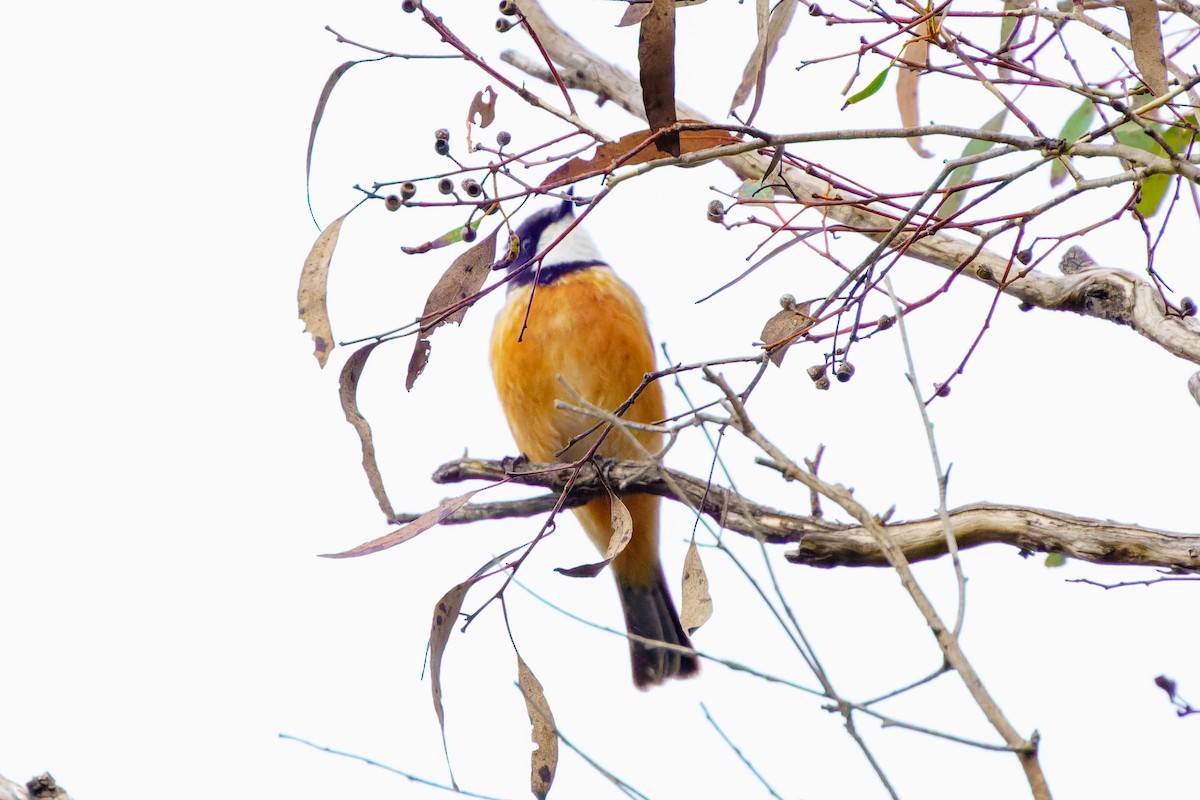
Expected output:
{"points": [[445, 615], [622, 532], [419, 525], [334, 77], [656, 61], [544, 758], [461, 280], [697, 606], [417, 362], [485, 110], [348, 394], [608, 153], [635, 12], [917, 52], [754, 76], [786, 324], [1145, 33], [314, 279]]}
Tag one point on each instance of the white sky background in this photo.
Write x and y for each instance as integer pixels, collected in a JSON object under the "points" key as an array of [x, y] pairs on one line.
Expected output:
{"points": [[173, 458]]}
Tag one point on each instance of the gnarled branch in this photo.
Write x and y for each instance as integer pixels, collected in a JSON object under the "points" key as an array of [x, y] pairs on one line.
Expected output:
{"points": [[824, 543]]}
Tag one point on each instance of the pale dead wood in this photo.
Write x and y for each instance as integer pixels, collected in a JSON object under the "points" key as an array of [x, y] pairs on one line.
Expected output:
{"points": [[824, 543]]}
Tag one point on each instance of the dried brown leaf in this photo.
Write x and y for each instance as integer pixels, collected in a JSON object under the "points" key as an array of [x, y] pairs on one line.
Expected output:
{"points": [[314, 279], [1145, 33], [786, 324], [348, 393], [608, 153], [445, 615], [754, 75], [485, 110], [543, 761], [402, 534], [334, 77], [635, 12], [1193, 384], [697, 606], [917, 52], [656, 61], [461, 280], [417, 362], [622, 532]]}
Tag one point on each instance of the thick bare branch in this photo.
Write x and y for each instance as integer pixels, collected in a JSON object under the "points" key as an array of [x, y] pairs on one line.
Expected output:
{"points": [[1114, 295], [823, 543]]}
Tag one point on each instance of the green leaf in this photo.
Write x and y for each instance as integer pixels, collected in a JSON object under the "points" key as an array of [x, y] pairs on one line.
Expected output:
{"points": [[874, 86], [1132, 134], [452, 236], [964, 174], [755, 190], [1007, 24], [1154, 189], [1055, 560], [1076, 125]]}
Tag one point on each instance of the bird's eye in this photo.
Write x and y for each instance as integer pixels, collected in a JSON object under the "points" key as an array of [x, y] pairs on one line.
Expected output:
{"points": [[527, 247]]}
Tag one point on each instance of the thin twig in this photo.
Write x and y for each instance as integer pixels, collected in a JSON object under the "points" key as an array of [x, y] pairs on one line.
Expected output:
{"points": [[737, 751]]}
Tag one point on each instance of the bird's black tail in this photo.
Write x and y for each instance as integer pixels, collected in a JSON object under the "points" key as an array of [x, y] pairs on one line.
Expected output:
{"points": [[649, 613]]}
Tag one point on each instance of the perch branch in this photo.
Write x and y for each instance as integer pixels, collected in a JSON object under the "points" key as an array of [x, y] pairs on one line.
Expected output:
{"points": [[824, 543]]}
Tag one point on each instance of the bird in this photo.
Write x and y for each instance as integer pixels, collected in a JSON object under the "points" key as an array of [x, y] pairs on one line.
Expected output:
{"points": [[586, 326]]}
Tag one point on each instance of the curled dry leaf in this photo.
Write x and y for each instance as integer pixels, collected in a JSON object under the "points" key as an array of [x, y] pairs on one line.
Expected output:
{"points": [[625, 150], [622, 532], [656, 61], [417, 362], [785, 327], [314, 280], [348, 394], [543, 761], [917, 52], [1194, 386], [635, 12], [697, 605], [460, 281], [445, 615], [484, 109], [402, 534], [334, 77], [1145, 33], [754, 75]]}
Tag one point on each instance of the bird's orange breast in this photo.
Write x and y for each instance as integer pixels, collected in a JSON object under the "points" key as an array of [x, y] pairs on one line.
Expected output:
{"points": [[589, 328]]}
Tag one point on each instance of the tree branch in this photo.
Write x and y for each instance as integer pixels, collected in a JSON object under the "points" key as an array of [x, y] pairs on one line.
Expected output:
{"points": [[1109, 294], [823, 543]]}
